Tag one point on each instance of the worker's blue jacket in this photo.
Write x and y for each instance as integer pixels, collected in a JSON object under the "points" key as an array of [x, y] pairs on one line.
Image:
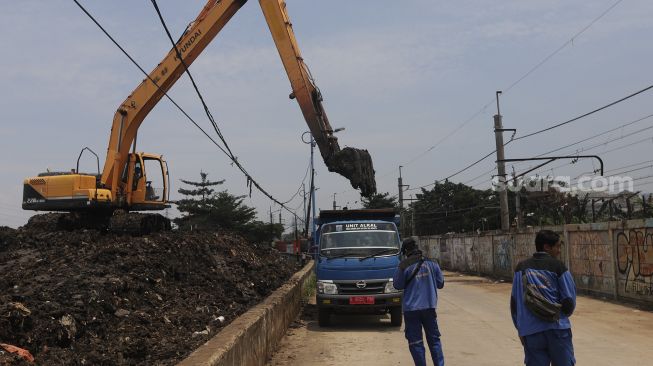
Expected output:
{"points": [[422, 291], [554, 282]]}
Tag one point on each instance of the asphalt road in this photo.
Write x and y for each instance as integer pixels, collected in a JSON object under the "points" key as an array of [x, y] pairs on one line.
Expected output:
{"points": [[474, 319]]}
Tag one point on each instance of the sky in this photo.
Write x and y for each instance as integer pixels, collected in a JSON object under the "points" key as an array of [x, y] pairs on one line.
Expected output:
{"points": [[413, 82]]}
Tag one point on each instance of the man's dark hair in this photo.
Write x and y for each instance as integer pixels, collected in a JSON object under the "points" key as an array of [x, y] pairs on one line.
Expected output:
{"points": [[547, 237], [408, 245]]}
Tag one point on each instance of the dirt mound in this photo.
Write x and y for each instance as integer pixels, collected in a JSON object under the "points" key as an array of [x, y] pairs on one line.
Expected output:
{"points": [[93, 298]]}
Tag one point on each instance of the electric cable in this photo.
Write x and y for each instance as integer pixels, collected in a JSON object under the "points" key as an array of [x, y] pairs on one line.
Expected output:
{"points": [[515, 83], [586, 114], [250, 180], [233, 158]]}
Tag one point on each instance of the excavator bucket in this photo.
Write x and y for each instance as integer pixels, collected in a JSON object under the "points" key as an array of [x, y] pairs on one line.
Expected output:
{"points": [[355, 165]]}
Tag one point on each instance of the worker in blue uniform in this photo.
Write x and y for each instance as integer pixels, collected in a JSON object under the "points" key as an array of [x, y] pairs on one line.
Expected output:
{"points": [[547, 340], [420, 278]]}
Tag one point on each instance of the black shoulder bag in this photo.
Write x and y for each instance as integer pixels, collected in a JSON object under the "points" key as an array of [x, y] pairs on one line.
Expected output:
{"points": [[538, 304]]}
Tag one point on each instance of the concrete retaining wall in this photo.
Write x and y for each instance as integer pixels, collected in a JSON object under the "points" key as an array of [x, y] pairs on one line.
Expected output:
{"points": [[609, 259], [253, 336]]}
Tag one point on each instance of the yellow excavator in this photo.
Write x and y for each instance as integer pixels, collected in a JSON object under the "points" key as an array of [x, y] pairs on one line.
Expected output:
{"points": [[137, 181]]}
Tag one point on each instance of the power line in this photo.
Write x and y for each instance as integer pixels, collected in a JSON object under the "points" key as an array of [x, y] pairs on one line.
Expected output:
{"points": [[308, 167], [190, 76], [250, 179], [537, 132], [650, 138], [586, 114], [515, 83], [598, 135], [480, 175], [595, 136], [460, 171], [227, 152], [148, 76], [569, 42]]}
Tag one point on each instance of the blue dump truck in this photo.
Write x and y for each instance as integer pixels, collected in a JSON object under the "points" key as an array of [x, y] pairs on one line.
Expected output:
{"points": [[357, 254]]}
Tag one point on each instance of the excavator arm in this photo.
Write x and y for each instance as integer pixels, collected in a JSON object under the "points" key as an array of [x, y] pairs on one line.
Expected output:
{"points": [[354, 164], [131, 113]]}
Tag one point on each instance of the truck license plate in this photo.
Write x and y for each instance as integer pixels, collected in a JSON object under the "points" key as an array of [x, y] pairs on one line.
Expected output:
{"points": [[361, 300]]}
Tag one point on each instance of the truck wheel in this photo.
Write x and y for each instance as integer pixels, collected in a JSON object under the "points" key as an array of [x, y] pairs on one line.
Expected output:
{"points": [[395, 316], [323, 317]]}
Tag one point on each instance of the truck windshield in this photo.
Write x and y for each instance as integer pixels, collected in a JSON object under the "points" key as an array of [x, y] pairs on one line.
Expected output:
{"points": [[358, 243]]}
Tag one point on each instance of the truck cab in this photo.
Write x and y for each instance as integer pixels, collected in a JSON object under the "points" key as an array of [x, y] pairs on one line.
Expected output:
{"points": [[358, 252]]}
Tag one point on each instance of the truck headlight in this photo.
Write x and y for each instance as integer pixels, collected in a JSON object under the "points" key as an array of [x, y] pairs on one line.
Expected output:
{"points": [[389, 287], [327, 287]]}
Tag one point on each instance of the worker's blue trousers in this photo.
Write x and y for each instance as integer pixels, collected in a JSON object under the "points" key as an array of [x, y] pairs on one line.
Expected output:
{"points": [[415, 320], [551, 347]]}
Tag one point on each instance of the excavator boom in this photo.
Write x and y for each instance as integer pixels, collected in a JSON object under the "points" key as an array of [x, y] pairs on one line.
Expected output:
{"points": [[126, 183], [131, 113], [353, 164]]}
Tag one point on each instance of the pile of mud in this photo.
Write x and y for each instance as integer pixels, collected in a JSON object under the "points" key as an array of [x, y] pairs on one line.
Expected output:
{"points": [[92, 298]]}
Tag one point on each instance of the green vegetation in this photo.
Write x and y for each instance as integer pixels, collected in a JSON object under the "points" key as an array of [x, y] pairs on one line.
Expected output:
{"points": [[379, 200], [310, 287], [205, 209]]}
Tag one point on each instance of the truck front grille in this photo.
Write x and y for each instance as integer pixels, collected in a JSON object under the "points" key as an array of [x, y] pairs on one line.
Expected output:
{"points": [[355, 287]]}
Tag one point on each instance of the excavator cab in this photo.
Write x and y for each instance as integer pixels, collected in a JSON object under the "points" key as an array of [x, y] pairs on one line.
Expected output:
{"points": [[145, 182]]}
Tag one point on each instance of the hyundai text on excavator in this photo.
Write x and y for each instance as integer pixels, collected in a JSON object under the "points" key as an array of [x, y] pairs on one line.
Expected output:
{"points": [[126, 182]]}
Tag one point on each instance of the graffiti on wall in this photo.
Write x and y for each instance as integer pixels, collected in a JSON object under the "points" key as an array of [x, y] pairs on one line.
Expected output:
{"points": [[635, 260], [588, 248], [503, 254]]}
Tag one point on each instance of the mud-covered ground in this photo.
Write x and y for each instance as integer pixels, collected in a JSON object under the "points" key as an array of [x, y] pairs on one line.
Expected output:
{"points": [[92, 298]]}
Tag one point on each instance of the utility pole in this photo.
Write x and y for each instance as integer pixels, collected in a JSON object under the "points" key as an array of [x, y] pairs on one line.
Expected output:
{"points": [[304, 196], [313, 191], [280, 216], [501, 167], [400, 185], [517, 200], [271, 225], [412, 218], [311, 202], [334, 201]]}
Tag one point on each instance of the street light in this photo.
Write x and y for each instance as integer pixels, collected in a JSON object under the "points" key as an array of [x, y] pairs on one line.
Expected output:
{"points": [[311, 141], [312, 187]]}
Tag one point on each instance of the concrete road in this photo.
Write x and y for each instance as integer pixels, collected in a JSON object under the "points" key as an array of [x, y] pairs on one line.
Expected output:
{"points": [[474, 319]]}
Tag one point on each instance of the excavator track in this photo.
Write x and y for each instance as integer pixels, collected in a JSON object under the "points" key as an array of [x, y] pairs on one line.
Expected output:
{"points": [[135, 223], [120, 222]]}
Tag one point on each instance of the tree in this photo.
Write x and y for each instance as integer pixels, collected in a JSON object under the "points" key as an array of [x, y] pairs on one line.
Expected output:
{"points": [[454, 207], [204, 209], [379, 200], [196, 202]]}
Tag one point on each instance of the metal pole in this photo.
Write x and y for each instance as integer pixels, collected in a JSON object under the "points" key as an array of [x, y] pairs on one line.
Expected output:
{"points": [[517, 202], [304, 196], [334, 201], [501, 167], [400, 185], [402, 222], [271, 225], [313, 189], [412, 218]]}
